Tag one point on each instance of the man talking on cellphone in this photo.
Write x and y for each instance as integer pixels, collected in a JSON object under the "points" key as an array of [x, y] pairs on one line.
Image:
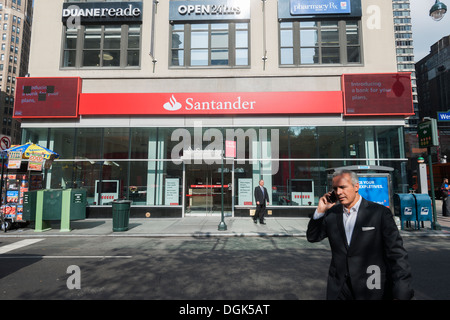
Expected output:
{"points": [[368, 260]]}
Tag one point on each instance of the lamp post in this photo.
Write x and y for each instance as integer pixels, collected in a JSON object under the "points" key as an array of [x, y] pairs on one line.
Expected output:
{"points": [[438, 11], [222, 225], [428, 138], [434, 225]]}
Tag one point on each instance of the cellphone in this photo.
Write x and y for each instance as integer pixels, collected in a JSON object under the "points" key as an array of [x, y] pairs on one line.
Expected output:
{"points": [[332, 198]]}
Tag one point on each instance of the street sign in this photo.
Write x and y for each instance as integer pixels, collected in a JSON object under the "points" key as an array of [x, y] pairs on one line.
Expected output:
{"points": [[428, 135], [444, 116], [5, 142]]}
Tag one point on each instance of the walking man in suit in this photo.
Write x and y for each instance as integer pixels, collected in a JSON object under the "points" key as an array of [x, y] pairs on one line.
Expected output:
{"points": [[368, 258], [261, 197]]}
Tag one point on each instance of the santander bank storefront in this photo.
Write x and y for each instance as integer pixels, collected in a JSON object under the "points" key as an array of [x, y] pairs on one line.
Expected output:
{"points": [[123, 146], [161, 129]]}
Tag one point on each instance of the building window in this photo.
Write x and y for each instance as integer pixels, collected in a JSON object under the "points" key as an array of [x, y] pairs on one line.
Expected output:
{"points": [[320, 42], [97, 46], [213, 45]]}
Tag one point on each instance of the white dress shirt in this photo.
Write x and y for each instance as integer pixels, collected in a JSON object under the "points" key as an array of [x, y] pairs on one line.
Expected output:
{"points": [[349, 218]]}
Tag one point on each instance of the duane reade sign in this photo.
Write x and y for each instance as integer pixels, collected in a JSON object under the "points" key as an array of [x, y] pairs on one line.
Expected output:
{"points": [[103, 11]]}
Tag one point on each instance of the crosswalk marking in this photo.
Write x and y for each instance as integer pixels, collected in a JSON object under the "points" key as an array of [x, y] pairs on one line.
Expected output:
{"points": [[66, 257], [17, 245]]}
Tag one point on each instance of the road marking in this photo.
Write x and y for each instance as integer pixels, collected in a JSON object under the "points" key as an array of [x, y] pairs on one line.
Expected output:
{"points": [[17, 245]]}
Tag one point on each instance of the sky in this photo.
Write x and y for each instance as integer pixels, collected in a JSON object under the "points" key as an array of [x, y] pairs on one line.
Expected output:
{"points": [[426, 31]]}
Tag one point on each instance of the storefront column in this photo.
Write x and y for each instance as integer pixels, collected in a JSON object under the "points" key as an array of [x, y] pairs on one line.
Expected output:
{"points": [[48, 177], [155, 171], [370, 146], [266, 161]]}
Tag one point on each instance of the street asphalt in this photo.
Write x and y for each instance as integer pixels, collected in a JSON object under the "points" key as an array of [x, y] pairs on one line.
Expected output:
{"points": [[207, 226]]}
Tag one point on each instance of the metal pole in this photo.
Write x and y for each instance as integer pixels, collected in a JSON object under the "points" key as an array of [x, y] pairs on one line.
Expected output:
{"points": [[222, 225], [1, 191], [435, 225]]}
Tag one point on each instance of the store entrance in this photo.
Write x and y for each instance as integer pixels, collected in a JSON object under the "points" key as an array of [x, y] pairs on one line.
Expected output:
{"points": [[203, 189]]}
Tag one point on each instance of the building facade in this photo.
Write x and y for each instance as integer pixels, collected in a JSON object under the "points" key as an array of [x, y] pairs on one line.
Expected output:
{"points": [[143, 99], [405, 54], [15, 19], [433, 80]]}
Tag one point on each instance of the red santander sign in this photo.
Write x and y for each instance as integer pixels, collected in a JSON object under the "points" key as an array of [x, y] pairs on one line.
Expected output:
{"points": [[362, 95], [217, 103]]}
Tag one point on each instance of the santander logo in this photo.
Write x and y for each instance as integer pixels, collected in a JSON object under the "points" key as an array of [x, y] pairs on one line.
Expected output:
{"points": [[172, 105], [191, 104]]}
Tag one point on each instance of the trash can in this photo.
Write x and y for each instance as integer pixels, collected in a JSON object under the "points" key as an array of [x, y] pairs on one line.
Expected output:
{"points": [[423, 207], [405, 206], [121, 214]]}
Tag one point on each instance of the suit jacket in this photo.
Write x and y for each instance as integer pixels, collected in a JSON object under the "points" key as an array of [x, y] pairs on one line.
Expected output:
{"points": [[263, 199], [375, 242]]}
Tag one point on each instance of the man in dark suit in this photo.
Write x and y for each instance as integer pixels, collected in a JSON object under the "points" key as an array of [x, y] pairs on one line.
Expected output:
{"points": [[368, 258], [261, 197]]}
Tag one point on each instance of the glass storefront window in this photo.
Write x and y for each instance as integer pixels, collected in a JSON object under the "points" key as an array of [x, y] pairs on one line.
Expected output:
{"points": [[331, 142], [303, 142], [116, 143], [35, 135], [63, 141], [360, 143], [388, 142], [87, 174], [141, 160], [89, 143], [140, 138], [159, 176]]}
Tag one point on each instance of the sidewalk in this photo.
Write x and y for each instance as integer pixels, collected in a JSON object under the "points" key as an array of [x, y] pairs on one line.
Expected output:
{"points": [[203, 227], [174, 227]]}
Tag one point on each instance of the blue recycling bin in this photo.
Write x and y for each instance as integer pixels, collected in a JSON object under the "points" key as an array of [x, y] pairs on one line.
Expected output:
{"points": [[423, 207], [405, 207]]}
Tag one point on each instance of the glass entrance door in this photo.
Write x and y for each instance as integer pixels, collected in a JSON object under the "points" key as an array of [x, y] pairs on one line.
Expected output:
{"points": [[203, 189]]}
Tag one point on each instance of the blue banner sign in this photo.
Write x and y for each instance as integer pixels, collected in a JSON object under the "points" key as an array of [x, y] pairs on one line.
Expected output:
{"points": [[444, 116], [313, 7], [375, 189]]}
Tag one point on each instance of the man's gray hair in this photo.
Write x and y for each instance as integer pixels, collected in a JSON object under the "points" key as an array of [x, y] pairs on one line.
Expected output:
{"points": [[353, 175]]}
